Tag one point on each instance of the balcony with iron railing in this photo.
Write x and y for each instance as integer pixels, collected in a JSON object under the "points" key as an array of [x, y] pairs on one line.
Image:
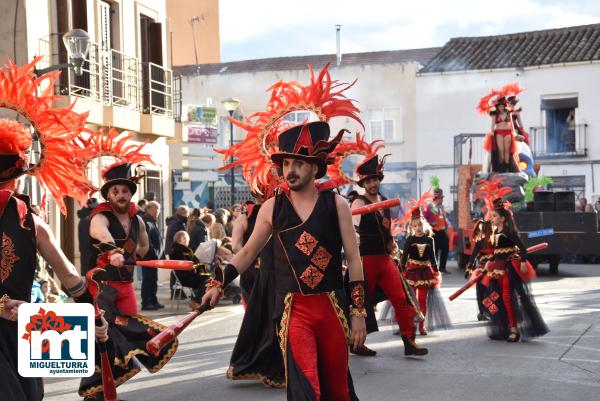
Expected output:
{"points": [[112, 78], [560, 141]]}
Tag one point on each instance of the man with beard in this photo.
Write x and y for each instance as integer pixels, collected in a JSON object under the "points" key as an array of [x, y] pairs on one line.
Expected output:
{"points": [[376, 245], [309, 227], [119, 238]]}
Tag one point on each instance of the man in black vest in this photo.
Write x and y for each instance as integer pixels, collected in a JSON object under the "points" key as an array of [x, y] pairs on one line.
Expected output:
{"points": [[119, 238], [309, 227], [376, 245]]}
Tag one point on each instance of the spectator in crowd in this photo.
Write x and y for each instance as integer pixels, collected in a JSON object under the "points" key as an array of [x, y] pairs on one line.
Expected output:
{"points": [[233, 215], [217, 230], [55, 294], [581, 206], [194, 279], [192, 218], [83, 229], [198, 231], [37, 296], [141, 204], [176, 223], [589, 208], [209, 207], [155, 251]]}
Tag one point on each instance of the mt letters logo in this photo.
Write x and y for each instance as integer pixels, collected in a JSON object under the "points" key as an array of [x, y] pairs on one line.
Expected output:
{"points": [[56, 340]]}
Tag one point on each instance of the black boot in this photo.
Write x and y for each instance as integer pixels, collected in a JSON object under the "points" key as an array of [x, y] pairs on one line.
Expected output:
{"points": [[363, 350], [411, 347]]}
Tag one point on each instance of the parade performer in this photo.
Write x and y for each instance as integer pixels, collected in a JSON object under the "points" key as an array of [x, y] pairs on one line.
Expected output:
{"points": [[418, 257], [253, 356], [482, 253], [436, 216], [119, 238], [242, 229], [376, 245], [507, 297], [309, 229], [24, 233]]}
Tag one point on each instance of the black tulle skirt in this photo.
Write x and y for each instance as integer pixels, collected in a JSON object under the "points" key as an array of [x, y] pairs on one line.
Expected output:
{"points": [[529, 319]]}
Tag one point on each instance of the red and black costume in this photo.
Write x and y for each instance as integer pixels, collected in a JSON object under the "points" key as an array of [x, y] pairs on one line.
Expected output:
{"points": [[483, 252], [506, 293], [128, 332], [420, 267], [379, 268], [256, 354], [17, 269]]}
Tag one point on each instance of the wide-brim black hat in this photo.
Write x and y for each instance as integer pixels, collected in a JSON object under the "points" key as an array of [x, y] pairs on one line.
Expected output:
{"points": [[118, 175], [307, 142], [12, 166], [370, 168]]}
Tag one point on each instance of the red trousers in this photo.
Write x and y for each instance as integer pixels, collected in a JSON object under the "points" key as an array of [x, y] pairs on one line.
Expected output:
{"points": [[421, 293], [126, 300], [380, 271], [504, 282], [319, 346]]}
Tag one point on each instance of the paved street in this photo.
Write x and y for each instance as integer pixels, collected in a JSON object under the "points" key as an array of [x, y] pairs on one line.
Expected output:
{"points": [[463, 364]]}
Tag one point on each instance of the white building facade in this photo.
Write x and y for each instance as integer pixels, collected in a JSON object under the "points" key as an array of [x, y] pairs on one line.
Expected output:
{"points": [[447, 97]]}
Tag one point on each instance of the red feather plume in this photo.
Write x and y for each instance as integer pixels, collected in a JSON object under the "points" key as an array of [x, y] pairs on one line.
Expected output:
{"points": [[346, 149], [56, 128], [413, 205], [113, 144], [511, 89], [322, 95], [489, 191]]}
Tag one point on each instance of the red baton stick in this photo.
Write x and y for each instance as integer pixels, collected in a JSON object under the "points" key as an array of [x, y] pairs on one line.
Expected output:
{"points": [[374, 207], [167, 264], [159, 341], [108, 382]]}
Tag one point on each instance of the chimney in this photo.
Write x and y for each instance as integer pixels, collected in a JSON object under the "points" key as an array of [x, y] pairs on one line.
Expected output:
{"points": [[338, 28]]}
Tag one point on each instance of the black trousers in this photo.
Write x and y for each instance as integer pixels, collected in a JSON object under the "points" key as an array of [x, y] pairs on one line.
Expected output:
{"points": [[441, 248], [149, 286]]}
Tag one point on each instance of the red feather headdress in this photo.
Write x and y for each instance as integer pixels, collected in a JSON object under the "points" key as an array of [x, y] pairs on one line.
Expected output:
{"points": [[56, 128], [111, 144], [511, 89], [414, 207], [322, 96], [490, 191], [346, 149]]}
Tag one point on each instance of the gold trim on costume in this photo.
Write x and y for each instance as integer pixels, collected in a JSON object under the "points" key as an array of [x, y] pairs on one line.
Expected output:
{"points": [[424, 263], [284, 329], [118, 381], [340, 314], [254, 376]]}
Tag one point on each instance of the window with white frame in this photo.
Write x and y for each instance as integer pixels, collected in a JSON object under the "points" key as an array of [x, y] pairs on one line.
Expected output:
{"points": [[299, 117], [385, 124]]}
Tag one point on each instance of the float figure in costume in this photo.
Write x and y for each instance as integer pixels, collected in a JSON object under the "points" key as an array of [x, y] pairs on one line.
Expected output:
{"points": [[119, 238], [22, 232], [376, 246], [309, 228]]}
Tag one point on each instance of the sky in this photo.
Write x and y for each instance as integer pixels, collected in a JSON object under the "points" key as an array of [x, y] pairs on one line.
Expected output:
{"points": [[279, 28]]}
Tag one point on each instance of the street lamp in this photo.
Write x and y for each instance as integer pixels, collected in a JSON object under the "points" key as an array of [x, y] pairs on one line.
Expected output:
{"points": [[77, 42], [231, 104]]}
